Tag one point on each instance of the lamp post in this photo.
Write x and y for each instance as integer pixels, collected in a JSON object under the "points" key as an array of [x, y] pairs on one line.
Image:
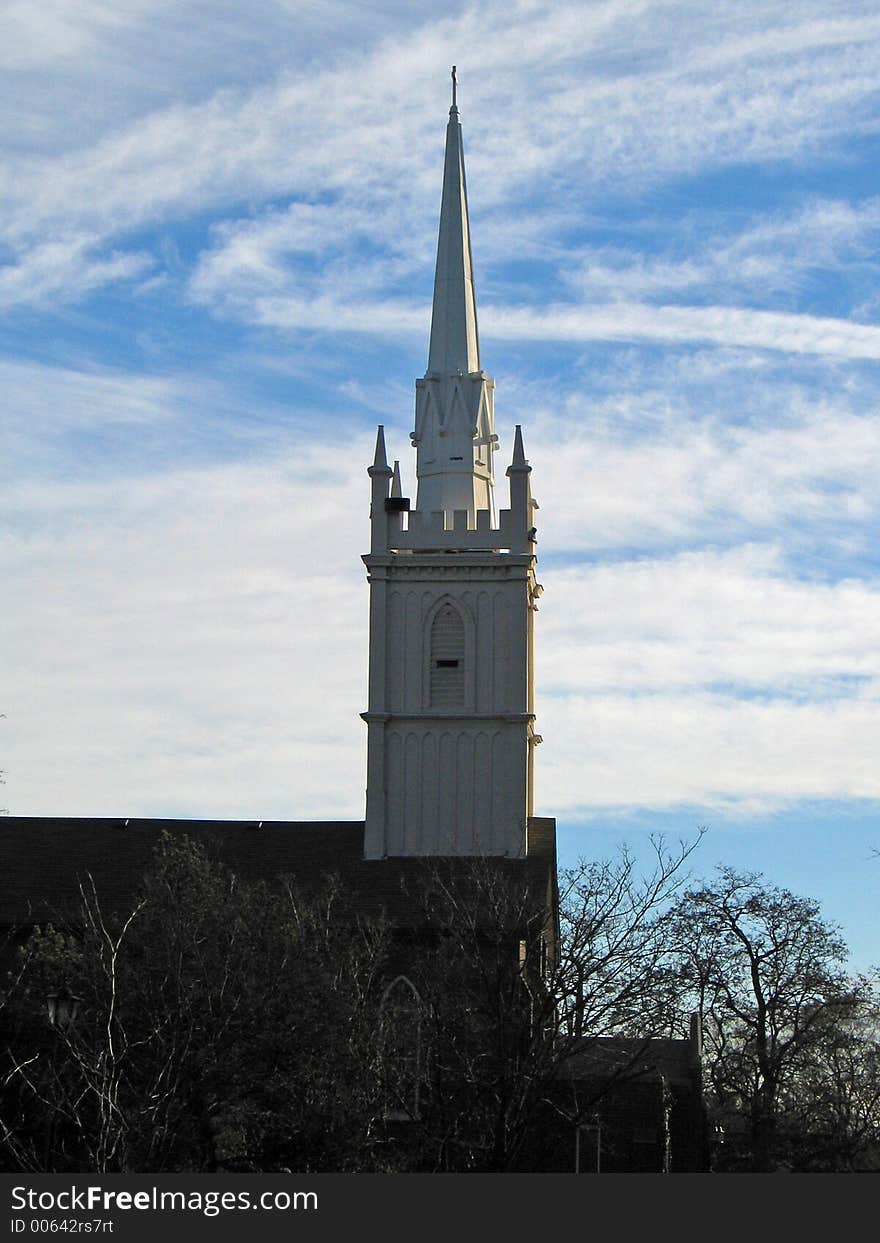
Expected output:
{"points": [[62, 1008], [594, 1130]]}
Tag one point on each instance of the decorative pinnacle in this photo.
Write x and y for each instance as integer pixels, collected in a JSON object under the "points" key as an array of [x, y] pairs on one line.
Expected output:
{"points": [[395, 481], [518, 463], [380, 461], [519, 456]]}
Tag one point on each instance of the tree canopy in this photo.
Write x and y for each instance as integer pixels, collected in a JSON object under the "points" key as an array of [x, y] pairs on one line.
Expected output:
{"points": [[768, 976], [226, 1024]]}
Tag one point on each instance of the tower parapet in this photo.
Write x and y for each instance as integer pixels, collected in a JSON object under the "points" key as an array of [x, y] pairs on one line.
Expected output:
{"points": [[398, 528]]}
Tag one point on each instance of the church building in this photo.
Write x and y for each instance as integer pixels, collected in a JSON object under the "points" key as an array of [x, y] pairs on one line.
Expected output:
{"points": [[450, 717]]}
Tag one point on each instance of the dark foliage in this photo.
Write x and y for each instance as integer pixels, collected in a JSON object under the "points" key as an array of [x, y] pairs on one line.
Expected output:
{"points": [[220, 1025]]}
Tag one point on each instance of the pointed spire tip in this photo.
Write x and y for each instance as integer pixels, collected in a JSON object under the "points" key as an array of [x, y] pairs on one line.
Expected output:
{"points": [[519, 456], [518, 464], [380, 461], [454, 346], [380, 458]]}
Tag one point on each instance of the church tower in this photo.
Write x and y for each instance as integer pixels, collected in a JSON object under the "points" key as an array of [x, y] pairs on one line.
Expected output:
{"points": [[450, 723]]}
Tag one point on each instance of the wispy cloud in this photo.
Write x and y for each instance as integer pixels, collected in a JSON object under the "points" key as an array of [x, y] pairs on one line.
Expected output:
{"points": [[618, 321], [708, 621], [771, 255], [675, 222], [37, 397], [805, 473], [64, 269], [704, 750], [337, 268], [353, 127], [722, 325]]}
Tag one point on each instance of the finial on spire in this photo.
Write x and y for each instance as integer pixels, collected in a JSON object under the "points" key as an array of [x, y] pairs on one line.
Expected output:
{"points": [[454, 81]]}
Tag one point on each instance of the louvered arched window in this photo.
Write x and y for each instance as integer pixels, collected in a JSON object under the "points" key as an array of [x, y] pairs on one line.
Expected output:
{"points": [[447, 659]]}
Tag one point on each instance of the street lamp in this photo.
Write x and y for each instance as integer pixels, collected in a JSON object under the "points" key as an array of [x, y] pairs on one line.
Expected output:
{"points": [[594, 1131], [63, 1008]]}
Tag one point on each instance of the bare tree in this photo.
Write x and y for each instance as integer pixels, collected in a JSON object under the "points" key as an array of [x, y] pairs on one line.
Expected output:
{"points": [[831, 1112], [220, 1025], [511, 998], [229, 1025], [616, 971], [768, 976]]}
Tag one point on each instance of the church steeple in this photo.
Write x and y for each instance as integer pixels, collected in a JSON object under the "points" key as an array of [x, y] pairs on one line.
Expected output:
{"points": [[455, 422], [453, 594]]}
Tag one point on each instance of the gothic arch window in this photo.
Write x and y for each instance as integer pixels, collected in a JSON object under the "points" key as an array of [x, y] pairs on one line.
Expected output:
{"points": [[447, 658], [400, 1049]]}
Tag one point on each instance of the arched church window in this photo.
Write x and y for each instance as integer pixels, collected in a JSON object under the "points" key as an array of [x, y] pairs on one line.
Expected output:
{"points": [[447, 658], [400, 1049]]}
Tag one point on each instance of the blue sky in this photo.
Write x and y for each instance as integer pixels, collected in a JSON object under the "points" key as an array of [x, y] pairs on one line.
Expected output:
{"points": [[217, 239]]}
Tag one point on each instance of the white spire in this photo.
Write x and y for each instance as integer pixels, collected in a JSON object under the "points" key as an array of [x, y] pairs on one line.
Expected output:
{"points": [[455, 420], [454, 341]]}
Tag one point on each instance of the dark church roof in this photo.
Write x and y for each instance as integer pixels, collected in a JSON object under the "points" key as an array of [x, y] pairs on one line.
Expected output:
{"points": [[44, 859], [604, 1057]]}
